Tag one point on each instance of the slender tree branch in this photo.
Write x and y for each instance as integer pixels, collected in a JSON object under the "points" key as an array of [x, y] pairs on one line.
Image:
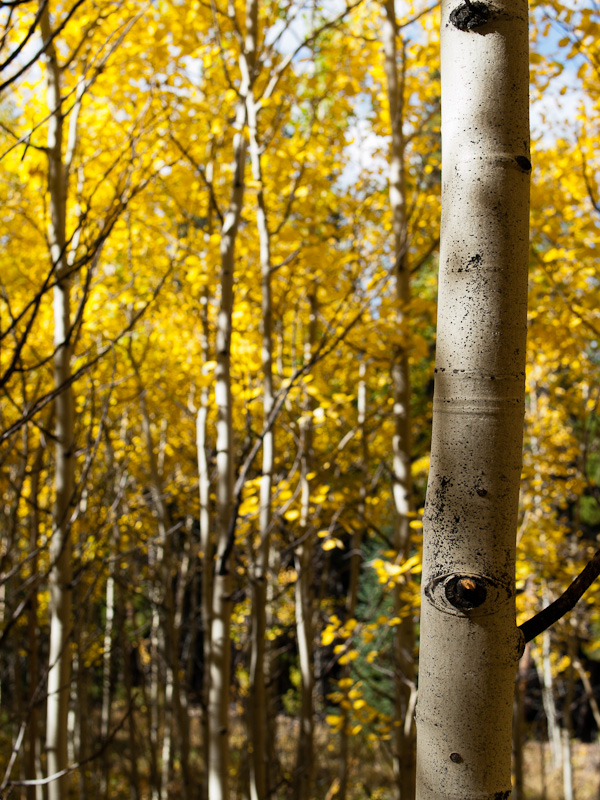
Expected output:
{"points": [[565, 603], [43, 48], [96, 754]]}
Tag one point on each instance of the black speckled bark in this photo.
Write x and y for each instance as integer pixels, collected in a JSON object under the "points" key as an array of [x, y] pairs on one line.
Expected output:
{"points": [[470, 645]]}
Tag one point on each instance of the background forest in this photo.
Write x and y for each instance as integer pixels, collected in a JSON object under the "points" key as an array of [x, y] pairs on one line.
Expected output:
{"points": [[219, 230]]}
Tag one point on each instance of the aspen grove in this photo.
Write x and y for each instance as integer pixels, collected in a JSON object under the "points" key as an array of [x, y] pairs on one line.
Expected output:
{"points": [[247, 550]]}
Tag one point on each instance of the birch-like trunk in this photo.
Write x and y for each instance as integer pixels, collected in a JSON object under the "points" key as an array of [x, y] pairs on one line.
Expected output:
{"points": [[544, 669], [567, 726], [259, 762], [128, 652], [33, 769], [165, 630], [205, 534], [355, 564], [60, 576], [107, 660], [470, 645], [404, 636], [220, 650], [303, 591], [519, 727]]}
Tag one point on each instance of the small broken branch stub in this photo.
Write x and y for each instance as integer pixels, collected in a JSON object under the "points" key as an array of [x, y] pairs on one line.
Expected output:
{"points": [[465, 592], [470, 15]]}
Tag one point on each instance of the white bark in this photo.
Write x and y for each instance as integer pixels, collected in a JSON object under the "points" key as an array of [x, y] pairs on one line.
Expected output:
{"points": [[205, 531], [355, 564], [470, 645], [519, 726], [305, 768], [33, 765], [544, 668], [165, 633], [404, 668], [220, 653], [60, 577], [259, 762], [567, 726]]}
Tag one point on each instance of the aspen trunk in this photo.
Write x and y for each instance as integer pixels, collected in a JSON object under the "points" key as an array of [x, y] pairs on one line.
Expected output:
{"points": [[355, 564], [128, 655], [79, 712], [589, 691], [60, 576], [180, 684], [470, 645], [165, 631], [567, 726], [205, 535], [303, 594], [259, 762], [404, 636], [107, 657], [33, 769], [544, 668], [518, 727], [220, 649]]}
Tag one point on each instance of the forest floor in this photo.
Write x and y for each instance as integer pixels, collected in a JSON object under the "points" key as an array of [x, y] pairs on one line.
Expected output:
{"points": [[371, 774], [542, 782], [370, 767]]}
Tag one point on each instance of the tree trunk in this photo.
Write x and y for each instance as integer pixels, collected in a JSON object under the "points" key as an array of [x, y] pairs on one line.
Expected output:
{"points": [[220, 652], [518, 726], [60, 576], [128, 656], [544, 668], [355, 564], [303, 593], [404, 636], [259, 762], [470, 645], [107, 660], [205, 535], [567, 726], [33, 769], [165, 631], [180, 684], [80, 712]]}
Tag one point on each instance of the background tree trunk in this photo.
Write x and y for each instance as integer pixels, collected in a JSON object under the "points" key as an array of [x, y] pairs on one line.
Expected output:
{"points": [[60, 577], [220, 655], [355, 565], [404, 636], [470, 645], [259, 763], [303, 593]]}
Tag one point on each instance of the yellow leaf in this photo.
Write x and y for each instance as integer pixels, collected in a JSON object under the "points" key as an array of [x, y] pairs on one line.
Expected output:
{"points": [[331, 544], [327, 636]]}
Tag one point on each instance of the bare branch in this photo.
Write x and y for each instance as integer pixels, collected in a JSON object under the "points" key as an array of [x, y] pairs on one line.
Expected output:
{"points": [[565, 603]]}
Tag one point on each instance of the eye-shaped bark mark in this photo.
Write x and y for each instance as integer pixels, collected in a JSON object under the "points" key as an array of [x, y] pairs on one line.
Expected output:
{"points": [[524, 163], [467, 595]]}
